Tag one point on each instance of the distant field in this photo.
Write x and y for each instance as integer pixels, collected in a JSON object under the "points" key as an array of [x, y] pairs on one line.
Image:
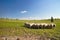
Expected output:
{"points": [[10, 27]]}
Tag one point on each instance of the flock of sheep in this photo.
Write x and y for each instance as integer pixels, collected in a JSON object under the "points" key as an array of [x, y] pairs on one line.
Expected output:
{"points": [[40, 25]]}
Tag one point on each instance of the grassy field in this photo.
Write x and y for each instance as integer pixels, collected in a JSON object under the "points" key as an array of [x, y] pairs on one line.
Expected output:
{"points": [[9, 27]]}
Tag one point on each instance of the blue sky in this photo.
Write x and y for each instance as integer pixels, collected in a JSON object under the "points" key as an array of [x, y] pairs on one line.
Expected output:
{"points": [[30, 9]]}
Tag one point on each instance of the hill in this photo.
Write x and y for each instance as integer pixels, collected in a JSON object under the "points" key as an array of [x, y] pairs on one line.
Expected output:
{"points": [[12, 27]]}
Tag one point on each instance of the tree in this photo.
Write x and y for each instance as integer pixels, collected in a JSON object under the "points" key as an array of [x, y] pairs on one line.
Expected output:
{"points": [[52, 19]]}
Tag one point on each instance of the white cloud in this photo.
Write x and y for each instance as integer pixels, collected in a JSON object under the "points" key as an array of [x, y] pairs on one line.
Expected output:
{"points": [[23, 11]]}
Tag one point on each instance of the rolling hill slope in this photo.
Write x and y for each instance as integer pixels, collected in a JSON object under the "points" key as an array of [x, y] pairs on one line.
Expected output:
{"points": [[13, 27]]}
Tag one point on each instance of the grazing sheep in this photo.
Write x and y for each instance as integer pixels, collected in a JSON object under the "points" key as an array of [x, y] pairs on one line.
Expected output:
{"points": [[46, 25], [31, 24], [36, 26], [27, 25], [52, 25], [40, 25], [49, 26]]}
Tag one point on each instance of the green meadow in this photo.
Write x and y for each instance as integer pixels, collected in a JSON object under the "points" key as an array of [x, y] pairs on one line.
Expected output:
{"points": [[15, 27]]}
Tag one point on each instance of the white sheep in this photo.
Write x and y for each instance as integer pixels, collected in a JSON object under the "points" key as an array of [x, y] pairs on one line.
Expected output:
{"points": [[39, 25], [27, 25], [31, 24], [52, 25]]}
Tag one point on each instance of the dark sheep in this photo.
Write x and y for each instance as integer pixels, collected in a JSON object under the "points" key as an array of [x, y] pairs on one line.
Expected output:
{"points": [[27, 25], [40, 26], [44, 26], [50, 26], [36, 26], [53, 25], [33, 26]]}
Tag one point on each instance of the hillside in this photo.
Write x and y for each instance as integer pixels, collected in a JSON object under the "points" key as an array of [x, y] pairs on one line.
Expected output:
{"points": [[12, 27]]}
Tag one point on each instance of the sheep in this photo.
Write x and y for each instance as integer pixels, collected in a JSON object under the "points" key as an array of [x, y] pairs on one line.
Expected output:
{"points": [[36, 26], [42, 25], [39, 25], [31, 24], [46, 25], [52, 25], [27, 25]]}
